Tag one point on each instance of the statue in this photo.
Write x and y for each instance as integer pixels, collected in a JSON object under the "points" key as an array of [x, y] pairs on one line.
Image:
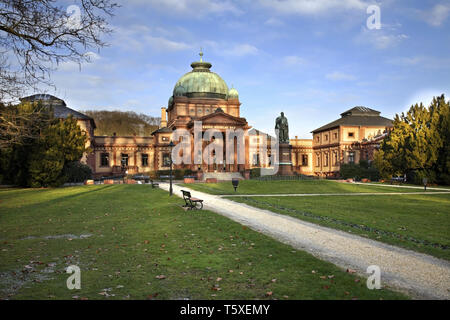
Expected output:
{"points": [[283, 128]]}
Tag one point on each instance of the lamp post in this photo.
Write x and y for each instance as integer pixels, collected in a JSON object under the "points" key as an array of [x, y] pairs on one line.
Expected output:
{"points": [[171, 145]]}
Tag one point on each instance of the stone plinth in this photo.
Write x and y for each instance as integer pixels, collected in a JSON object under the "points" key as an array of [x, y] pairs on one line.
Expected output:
{"points": [[285, 163]]}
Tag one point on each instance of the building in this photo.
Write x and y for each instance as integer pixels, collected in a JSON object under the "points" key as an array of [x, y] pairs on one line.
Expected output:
{"points": [[202, 96], [353, 137]]}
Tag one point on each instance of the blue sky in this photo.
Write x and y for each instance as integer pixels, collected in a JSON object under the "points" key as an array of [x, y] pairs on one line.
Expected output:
{"points": [[311, 59]]}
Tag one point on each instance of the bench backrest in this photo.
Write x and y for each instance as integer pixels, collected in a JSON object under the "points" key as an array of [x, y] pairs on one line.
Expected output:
{"points": [[186, 194]]}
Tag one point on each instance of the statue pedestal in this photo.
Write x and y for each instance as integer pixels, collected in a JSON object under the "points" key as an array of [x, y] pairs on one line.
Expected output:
{"points": [[285, 163]]}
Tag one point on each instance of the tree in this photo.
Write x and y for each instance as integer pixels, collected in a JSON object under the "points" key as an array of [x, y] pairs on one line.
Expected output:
{"points": [[36, 36], [440, 110], [40, 34], [40, 161], [418, 144], [61, 143]]}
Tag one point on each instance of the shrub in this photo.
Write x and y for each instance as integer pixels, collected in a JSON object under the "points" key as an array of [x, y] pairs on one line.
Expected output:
{"points": [[177, 173], [360, 171], [76, 172], [255, 173]]}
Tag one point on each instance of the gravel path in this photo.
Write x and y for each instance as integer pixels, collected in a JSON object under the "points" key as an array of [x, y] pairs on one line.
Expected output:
{"points": [[419, 275]]}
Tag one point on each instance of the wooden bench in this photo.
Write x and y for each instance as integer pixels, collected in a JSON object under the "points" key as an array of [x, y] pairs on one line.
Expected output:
{"points": [[154, 184], [190, 202]]}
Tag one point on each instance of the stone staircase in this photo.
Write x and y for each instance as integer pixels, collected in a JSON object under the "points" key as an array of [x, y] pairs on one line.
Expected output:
{"points": [[222, 176]]}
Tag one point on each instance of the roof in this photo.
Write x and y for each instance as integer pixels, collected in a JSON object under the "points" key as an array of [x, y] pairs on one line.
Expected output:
{"points": [[201, 83], [358, 116], [162, 130], [60, 109]]}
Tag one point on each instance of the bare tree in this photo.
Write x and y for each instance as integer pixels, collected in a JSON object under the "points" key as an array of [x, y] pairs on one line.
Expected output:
{"points": [[37, 35]]}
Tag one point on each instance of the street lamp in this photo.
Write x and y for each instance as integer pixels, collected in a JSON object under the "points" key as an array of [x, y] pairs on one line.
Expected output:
{"points": [[171, 145]]}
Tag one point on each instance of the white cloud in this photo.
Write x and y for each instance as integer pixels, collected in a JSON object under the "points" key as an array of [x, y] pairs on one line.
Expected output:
{"points": [[190, 8], [309, 7], [240, 50], [380, 39], [292, 61], [163, 44], [437, 15], [340, 76], [139, 37], [274, 22]]}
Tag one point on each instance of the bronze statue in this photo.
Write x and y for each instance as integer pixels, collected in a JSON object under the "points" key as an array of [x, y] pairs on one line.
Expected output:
{"points": [[283, 128]]}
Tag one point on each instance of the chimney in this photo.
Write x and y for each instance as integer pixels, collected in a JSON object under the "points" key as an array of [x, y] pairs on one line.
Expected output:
{"points": [[163, 118]]}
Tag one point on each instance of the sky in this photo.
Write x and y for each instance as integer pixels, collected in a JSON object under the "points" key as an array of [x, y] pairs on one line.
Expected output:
{"points": [[312, 60]]}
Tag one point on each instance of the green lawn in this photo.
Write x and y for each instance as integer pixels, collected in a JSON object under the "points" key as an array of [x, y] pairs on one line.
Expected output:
{"points": [[291, 187], [417, 222], [133, 234]]}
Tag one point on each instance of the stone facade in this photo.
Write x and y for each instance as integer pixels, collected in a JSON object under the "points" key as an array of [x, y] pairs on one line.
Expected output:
{"points": [[201, 95]]}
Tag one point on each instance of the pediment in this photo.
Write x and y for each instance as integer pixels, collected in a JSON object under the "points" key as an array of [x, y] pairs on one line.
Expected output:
{"points": [[221, 118]]}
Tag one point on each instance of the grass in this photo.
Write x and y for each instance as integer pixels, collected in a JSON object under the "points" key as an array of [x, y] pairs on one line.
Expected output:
{"points": [[417, 222], [291, 187], [134, 234]]}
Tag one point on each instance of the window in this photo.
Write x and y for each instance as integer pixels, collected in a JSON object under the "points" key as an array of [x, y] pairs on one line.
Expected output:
{"points": [[351, 157], [165, 138], [351, 134], [104, 160], [326, 137], [304, 160], [335, 135], [166, 159], [124, 161], [335, 158], [326, 160], [192, 111], [207, 110], [144, 160], [318, 160], [317, 139]]}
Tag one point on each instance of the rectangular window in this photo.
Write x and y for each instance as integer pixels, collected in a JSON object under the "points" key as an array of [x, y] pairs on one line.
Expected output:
{"points": [[351, 157], [145, 160], [326, 137], [104, 160], [326, 160], [124, 161], [335, 158], [351, 134], [166, 159], [318, 160], [335, 135], [304, 160]]}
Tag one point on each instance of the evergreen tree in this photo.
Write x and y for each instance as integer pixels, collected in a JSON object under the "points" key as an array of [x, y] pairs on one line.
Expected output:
{"points": [[60, 144], [418, 145]]}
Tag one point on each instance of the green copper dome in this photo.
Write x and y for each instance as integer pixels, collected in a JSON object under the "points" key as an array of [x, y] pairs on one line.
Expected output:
{"points": [[201, 83], [233, 94]]}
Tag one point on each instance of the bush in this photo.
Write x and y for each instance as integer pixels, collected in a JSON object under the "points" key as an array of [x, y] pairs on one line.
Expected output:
{"points": [[76, 171], [177, 173], [255, 173], [359, 171], [417, 176]]}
